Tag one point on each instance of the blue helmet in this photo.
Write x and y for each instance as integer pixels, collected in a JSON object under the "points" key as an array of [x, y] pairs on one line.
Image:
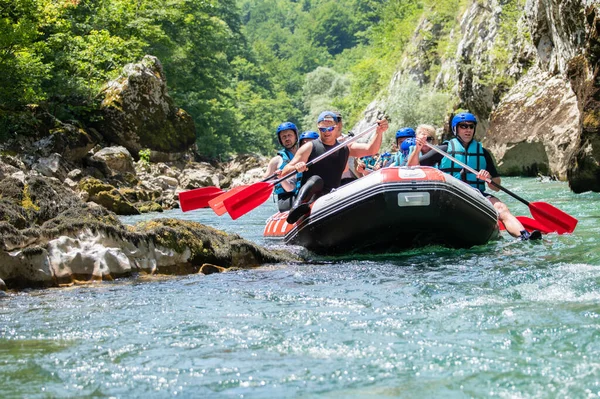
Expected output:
{"points": [[463, 117], [309, 135], [405, 132], [286, 126], [406, 144]]}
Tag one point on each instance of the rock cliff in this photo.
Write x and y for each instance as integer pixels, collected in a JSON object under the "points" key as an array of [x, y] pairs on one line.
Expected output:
{"points": [[528, 69]]}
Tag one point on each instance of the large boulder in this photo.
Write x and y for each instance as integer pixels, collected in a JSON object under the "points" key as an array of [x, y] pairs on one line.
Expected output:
{"points": [[113, 160], [74, 248], [137, 112], [535, 127]]}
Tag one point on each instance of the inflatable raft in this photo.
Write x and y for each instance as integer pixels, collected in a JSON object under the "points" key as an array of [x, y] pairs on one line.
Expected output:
{"points": [[390, 210]]}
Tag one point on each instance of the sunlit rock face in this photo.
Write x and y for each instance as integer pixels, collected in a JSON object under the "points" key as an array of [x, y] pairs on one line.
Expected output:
{"points": [[535, 127], [542, 107], [137, 113], [530, 75], [547, 122]]}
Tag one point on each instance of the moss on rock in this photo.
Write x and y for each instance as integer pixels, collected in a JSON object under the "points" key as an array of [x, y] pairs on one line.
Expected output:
{"points": [[149, 206]]}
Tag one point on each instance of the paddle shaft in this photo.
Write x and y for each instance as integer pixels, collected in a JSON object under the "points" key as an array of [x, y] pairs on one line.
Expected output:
{"points": [[467, 167], [343, 144]]}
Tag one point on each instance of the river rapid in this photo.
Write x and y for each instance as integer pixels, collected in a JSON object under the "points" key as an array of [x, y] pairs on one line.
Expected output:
{"points": [[509, 319]]}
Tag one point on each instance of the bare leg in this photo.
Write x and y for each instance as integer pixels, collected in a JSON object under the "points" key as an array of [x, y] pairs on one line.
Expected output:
{"points": [[512, 224]]}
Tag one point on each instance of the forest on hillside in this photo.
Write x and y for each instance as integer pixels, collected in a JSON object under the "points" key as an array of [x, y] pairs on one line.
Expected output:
{"points": [[238, 67]]}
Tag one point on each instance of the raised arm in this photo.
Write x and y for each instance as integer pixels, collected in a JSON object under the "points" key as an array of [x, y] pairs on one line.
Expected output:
{"points": [[413, 157], [372, 147]]}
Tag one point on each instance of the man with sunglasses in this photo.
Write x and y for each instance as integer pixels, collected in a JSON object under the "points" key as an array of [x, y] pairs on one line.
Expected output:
{"points": [[465, 148], [326, 175]]}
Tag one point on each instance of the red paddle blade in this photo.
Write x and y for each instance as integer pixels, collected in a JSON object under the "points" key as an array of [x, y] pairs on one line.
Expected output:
{"points": [[198, 198], [247, 199], [529, 224], [532, 224], [216, 204], [554, 218]]}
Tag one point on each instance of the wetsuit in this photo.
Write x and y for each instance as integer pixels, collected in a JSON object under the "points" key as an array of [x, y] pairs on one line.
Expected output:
{"points": [[330, 169], [320, 178]]}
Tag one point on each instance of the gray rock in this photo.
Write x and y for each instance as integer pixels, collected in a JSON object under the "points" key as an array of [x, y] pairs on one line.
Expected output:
{"points": [[115, 160], [6, 170], [75, 175], [137, 112], [51, 166], [202, 175], [72, 142]]}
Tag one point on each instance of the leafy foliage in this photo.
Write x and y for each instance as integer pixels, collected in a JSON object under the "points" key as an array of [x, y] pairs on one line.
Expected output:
{"points": [[239, 67]]}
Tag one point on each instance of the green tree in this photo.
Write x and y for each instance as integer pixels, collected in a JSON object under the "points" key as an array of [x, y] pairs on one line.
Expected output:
{"points": [[21, 67]]}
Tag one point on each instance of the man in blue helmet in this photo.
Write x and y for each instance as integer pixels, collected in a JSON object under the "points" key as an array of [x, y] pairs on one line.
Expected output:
{"points": [[326, 175], [287, 135], [402, 135], [465, 148]]}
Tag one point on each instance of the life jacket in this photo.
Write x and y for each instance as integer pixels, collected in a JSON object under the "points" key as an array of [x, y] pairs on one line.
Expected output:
{"points": [[400, 159], [287, 156], [473, 156]]}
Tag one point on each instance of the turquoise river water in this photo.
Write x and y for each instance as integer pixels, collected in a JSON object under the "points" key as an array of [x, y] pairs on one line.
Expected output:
{"points": [[509, 319]]}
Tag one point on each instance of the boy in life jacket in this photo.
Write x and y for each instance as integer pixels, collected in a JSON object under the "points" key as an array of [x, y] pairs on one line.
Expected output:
{"points": [[401, 135], [407, 147], [466, 149], [287, 135]]}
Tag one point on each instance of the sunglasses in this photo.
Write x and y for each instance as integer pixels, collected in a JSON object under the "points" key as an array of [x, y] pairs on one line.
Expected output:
{"points": [[429, 139], [466, 126], [326, 129]]}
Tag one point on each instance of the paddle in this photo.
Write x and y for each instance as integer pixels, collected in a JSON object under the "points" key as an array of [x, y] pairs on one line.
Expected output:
{"points": [[198, 198], [547, 215], [217, 205], [252, 196], [530, 225], [203, 197]]}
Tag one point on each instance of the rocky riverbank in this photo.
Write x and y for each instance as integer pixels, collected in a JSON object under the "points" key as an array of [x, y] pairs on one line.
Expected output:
{"points": [[62, 187], [52, 237]]}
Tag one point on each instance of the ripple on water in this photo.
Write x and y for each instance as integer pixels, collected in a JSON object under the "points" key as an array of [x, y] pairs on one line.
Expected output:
{"points": [[506, 319]]}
